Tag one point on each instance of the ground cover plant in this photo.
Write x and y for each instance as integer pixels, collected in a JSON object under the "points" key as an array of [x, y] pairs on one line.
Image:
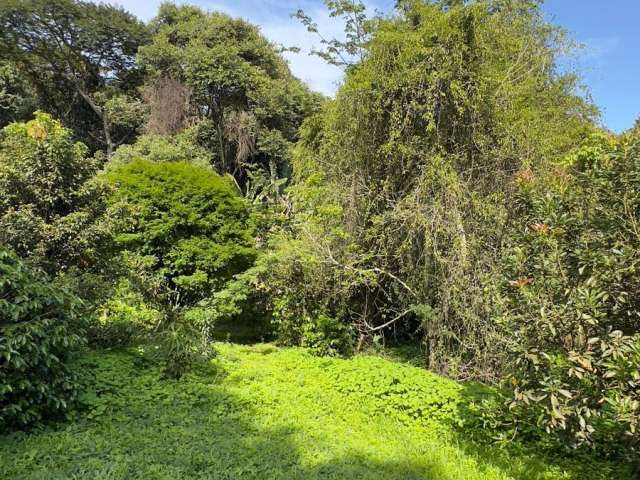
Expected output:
{"points": [[263, 412]]}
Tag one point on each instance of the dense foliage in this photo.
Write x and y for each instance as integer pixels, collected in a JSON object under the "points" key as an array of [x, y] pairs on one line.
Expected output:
{"points": [[16, 96], [570, 298], [457, 197], [51, 210], [405, 181], [231, 81], [79, 57], [158, 148], [188, 232], [189, 222], [39, 331]]}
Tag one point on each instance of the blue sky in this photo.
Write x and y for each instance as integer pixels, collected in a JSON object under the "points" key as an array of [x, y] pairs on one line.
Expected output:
{"points": [[609, 30]]}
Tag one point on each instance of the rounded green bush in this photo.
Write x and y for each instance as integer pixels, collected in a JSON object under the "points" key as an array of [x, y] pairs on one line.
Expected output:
{"points": [[38, 323], [191, 225]]}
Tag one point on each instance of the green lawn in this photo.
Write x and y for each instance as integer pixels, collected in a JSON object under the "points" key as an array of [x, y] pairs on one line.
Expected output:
{"points": [[265, 413]]}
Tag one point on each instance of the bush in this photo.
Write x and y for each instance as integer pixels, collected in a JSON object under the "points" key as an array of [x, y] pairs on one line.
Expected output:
{"points": [[190, 223], [39, 326], [181, 346], [123, 319], [189, 234], [570, 297], [327, 336], [51, 210], [157, 148]]}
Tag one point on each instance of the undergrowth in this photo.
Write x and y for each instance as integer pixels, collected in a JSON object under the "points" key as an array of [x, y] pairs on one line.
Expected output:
{"points": [[261, 412]]}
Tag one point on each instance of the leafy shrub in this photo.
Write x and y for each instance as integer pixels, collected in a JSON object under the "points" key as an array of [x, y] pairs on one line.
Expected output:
{"points": [[181, 346], [189, 221], [158, 148], [327, 336], [570, 297], [38, 333], [189, 234], [123, 318], [303, 285], [51, 210]]}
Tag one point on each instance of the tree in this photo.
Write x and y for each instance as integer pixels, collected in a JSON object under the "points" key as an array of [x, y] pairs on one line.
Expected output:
{"points": [[17, 99], [357, 29], [190, 220], [51, 210], [238, 87], [634, 131], [404, 182], [189, 234], [80, 58]]}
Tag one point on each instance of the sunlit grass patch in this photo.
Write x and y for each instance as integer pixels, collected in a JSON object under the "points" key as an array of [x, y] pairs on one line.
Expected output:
{"points": [[261, 412]]}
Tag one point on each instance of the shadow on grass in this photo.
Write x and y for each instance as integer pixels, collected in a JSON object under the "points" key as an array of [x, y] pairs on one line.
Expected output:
{"points": [[137, 425], [140, 426]]}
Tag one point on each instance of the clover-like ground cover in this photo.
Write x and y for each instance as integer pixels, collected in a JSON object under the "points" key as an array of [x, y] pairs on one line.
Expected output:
{"points": [[261, 412]]}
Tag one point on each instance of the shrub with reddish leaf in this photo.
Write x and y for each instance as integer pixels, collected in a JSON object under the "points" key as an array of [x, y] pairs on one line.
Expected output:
{"points": [[574, 323]]}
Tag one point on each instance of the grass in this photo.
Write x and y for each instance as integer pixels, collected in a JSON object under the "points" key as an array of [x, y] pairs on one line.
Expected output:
{"points": [[259, 412]]}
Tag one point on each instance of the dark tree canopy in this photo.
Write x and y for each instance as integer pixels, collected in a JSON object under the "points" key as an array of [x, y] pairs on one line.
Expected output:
{"points": [[241, 90], [78, 56], [17, 98]]}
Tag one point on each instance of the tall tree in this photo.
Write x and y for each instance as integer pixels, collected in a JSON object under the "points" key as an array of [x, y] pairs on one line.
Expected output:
{"points": [[403, 182], [240, 88], [80, 58]]}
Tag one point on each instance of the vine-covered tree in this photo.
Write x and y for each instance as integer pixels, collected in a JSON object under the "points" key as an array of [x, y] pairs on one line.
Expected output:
{"points": [[403, 182]]}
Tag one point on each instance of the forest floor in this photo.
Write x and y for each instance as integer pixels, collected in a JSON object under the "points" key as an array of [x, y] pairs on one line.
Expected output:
{"points": [[261, 412]]}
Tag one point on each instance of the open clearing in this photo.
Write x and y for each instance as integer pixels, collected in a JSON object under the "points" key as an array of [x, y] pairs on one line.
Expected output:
{"points": [[261, 412]]}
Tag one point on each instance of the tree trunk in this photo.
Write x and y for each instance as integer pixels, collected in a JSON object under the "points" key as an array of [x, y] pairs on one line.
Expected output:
{"points": [[220, 129], [107, 135], [103, 116], [217, 111]]}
